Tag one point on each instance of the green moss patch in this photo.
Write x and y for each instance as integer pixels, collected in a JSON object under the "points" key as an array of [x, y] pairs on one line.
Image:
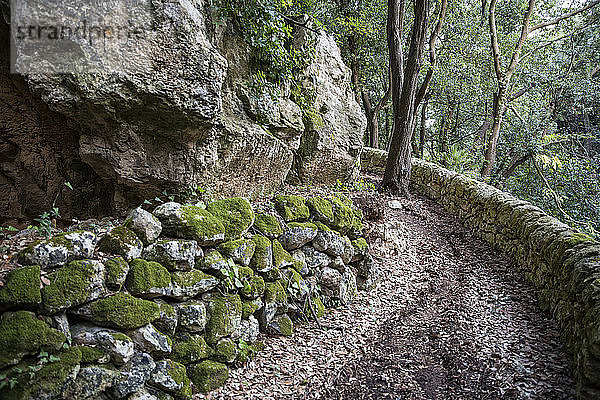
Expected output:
{"points": [[208, 375], [263, 254], [123, 311], [320, 209], [322, 227], [235, 214], [72, 285], [248, 351], [116, 272], [120, 241], [291, 208], [225, 313], [303, 225], [21, 288], [178, 373], [200, 225], [147, 278], [249, 307], [268, 225], [253, 287], [225, 351], [275, 293], [190, 349], [21, 333], [281, 258], [343, 215], [90, 355]]}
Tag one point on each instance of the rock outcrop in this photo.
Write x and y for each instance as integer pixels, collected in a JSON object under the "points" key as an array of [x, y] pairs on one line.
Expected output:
{"points": [[183, 114]]}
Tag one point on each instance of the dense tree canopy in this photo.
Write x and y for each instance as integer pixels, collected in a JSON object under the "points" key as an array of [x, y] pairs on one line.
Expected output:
{"points": [[514, 98]]}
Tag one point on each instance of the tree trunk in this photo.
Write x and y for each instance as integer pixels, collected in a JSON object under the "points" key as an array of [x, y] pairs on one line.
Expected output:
{"points": [[422, 131], [404, 85]]}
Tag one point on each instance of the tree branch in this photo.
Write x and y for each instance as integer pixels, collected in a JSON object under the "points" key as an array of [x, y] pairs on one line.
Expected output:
{"points": [[565, 16], [494, 38]]}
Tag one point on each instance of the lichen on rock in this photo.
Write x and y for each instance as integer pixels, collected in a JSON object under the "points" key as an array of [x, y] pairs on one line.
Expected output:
{"points": [[320, 209], [240, 251], [224, 316], [262, 260], [174, 254], [59, 249]]}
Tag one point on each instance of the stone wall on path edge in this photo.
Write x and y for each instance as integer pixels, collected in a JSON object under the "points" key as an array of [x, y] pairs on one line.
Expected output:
{"points": [[562, 264]]}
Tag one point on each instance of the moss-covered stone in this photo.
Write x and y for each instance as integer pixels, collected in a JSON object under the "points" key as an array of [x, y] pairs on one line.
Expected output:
{"points": [[188, 284], [116, 272], [47, 382], [79, 282], [123, 311], [21, 288], [167, 321], [281, 325], [208, 375], [275, 293], [190, 349], [249, 307], [272, 275], [90, 355], [291, 208], [281, 258], [253, 286], [240, 251], [21, 333], [178, 373], [225, 314], [268, 225], [320, 209], [199, 224], [148, 279], [262, 260], [121, 241], [225, 351], [343, 215], [303, 225], [294, 285], [235, 214], [322, 227]]}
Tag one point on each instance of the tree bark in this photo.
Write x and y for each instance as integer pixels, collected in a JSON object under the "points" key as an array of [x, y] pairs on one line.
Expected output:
{"points": [[422, 130], [404, 84]]}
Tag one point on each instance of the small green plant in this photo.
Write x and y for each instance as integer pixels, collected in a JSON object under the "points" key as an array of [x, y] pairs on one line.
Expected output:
{"points": [[46, 221]]}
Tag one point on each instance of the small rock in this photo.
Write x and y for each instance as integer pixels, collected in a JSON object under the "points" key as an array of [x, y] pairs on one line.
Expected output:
{"points": [[174, 254], [291, 208], [300, 264], [208, 375], [190, 348], [329, 242], [315, 259], [145, 225], [61, 324], [121, 241], [235, 214], [59, 249], [329, 277], [190, 222], [248, 330], [224, 316], [191, 316], [262, 260], [171, 377], [298, 235], [90, 383], [395, 204], [116, 273], [189, 284], [151, 341], [167, 322], [148, 279], [281, 325], [225, 351], [134, 375], [116, 344], [337, 263], [240, 251]]}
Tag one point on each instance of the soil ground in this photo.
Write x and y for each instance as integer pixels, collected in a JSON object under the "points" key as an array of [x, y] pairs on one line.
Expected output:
{"points": [[450, 319]]}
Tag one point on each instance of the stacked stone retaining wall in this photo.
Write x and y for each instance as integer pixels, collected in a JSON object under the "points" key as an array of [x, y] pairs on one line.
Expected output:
{"points": [[563, 264]]}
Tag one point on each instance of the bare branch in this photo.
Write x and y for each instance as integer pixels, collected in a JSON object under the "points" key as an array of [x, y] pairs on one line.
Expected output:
{"points": [[565, 16], [524, 32]]}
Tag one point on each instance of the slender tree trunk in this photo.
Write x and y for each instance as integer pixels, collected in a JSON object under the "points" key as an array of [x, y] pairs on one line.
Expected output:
{"points": [[422, 130], [404, 84]]}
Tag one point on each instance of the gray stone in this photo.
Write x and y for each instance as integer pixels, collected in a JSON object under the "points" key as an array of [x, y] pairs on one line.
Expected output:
{"points": [[315, 259], [240, 251], [281, 325], [117, 345], [149, 394], [90, 383], [59, 249], [337, 263], [225, 351], [298, 236], [145, 225], [301, 266], [331, 145], [61, 324], [329, 277], [215, 263], [191, 316], [121, 241], [162, 379], [348, 253], [186, 285], [266, 315], [329, 242], [151, 341], [174, 254], [225, 315], [167, 322], [248, 330], [134, 375]]}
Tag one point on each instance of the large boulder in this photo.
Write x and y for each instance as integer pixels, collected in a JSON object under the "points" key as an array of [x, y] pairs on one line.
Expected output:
{"points": [[173, 109]]}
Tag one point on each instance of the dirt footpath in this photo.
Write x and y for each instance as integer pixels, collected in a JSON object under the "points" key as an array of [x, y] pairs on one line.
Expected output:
{"points": [[451, 319]]}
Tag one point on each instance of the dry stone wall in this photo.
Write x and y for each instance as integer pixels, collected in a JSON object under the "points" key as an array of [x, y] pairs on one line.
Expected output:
{"points": [[162, 306], [564, 265]]}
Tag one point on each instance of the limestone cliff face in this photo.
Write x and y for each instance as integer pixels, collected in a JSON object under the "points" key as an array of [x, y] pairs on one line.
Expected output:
{"points": [[187, 117]]}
